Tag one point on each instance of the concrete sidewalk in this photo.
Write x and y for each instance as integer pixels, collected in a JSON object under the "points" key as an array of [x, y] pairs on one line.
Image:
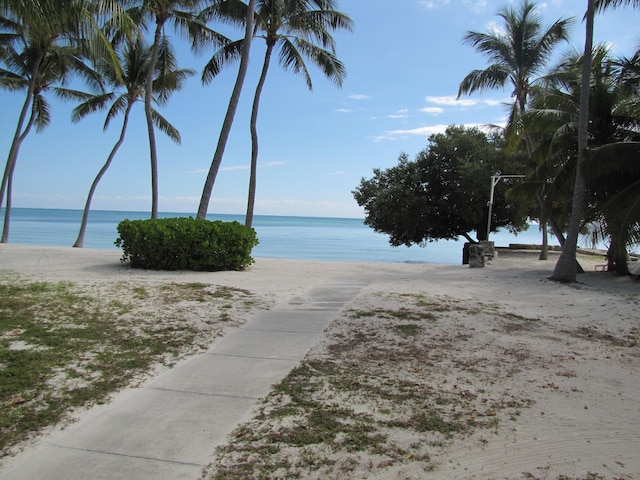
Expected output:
{"points": [[169, 428]]}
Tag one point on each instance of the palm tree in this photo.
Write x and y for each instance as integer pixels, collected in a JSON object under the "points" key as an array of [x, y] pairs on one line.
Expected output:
{"points": [[614, 125], [293, 26], [40, 54], [183, 16], [231, 112], [516, 57], [565, 269], [134, 63], [613, 166]]}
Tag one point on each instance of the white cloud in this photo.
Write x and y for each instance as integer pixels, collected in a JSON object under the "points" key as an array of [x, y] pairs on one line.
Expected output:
{"points": [[432, 110], [234, 167], [495, 27], [359, 96], [451, 101], [425, 131], [477, 6], [419, 131], [430, 4], [343, 110], [402, 113], [238, 167]]}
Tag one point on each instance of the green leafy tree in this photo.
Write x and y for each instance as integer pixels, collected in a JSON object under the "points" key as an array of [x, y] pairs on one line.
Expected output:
{"points": [[516, 57], [298, 29], [443, 193], [127, 90]]}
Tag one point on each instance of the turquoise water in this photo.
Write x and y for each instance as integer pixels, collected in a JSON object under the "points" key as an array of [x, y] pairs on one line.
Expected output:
{"points": [[302, 238]]}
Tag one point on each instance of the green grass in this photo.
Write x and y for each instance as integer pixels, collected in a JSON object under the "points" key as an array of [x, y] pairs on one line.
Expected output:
{"points": [[63, 346]]}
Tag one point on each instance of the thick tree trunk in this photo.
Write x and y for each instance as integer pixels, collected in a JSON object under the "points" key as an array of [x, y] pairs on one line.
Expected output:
{"points": [[565, 270], [251, 198], [228, 119], [85, 216]]}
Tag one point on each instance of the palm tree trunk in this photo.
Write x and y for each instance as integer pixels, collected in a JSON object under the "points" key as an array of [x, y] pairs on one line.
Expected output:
{"points": [[85, 216], [544, 250], [228, 119], [254, 137], [617, 256], [148, 95], [18, 138], [565, 270]]}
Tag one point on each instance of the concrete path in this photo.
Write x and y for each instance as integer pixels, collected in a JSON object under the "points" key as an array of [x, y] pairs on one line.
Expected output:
{"points": [[169, 428]]}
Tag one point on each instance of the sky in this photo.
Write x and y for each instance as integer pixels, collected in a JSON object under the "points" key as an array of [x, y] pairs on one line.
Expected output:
{"points": [[404, 61]]}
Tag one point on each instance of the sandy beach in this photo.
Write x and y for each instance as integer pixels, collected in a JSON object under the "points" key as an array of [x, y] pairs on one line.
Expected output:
{"points": [[536, 379]]}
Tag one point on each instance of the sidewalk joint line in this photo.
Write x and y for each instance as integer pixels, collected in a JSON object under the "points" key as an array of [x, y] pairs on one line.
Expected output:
{"points": [[115, 454]]}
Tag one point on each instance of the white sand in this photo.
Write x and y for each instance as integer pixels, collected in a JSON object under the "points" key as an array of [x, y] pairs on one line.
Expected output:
{"points": [[578, 364]]}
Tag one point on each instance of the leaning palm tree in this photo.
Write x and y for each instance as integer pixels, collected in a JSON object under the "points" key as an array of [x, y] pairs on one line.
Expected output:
{"points": [[230, 115], [44, 41], [565, 269], [39, 58], [183, 15], [517, 57], [130, 88], [299, 29]]}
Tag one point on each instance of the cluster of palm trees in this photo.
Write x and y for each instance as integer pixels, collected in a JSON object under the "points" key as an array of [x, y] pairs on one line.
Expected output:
{"points": [[578, 123], [46, 43]]}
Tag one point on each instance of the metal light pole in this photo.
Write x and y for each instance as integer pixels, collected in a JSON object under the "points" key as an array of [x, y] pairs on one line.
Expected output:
{"points": [[495, 179]]}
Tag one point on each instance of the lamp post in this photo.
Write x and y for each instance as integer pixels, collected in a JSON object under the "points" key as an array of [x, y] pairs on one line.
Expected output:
{"points": [[495, 179]]}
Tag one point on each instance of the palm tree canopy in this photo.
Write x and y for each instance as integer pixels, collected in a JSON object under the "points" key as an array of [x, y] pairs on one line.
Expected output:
{"points": [[605, 4], [298, 28], [135, 58], [182, 15], [516, 54]]}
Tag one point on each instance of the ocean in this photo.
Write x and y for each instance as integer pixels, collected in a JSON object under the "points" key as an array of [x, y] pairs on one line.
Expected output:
{"points": [[302, 238]]}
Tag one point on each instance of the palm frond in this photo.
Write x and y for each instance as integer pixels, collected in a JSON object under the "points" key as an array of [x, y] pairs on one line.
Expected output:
{"points": [[71, 94], [325, 60], [164, 86], [120, 105], [164, 126], [495, 76], [225, 56], [42, 112], [618, 157], [91, 105]]}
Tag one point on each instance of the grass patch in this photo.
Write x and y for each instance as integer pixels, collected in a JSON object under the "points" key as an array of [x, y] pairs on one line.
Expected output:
{"points": [[388, 386], [64, 346]]}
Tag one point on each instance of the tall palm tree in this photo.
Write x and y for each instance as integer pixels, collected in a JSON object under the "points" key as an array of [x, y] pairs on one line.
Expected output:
{"points": [[183, 15], [134, 63], [517, 57], [230, 115], [40, 56], [565, 269], [295, 27]]}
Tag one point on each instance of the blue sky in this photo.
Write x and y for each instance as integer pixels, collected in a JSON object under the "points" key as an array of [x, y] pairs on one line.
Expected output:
{"points": [[404, 65]]}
